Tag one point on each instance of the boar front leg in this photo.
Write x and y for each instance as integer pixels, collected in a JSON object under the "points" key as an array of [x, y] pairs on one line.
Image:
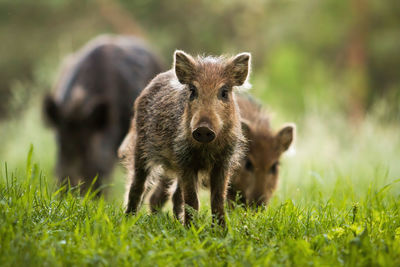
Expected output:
{"points": [[188, 185], [137, 187], [218, 185], [177, 200], [160, 194]]}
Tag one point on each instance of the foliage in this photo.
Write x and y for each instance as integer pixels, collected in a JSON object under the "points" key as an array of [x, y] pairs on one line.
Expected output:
{"points": [[297, 43]]}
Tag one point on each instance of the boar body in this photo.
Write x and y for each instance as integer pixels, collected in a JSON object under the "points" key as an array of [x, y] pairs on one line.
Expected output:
{"points": [[91, 108], [187, 121]]}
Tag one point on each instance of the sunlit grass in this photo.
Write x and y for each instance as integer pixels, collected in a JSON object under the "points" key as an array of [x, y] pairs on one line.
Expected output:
{"points": [[42, 226], [337, 204]]}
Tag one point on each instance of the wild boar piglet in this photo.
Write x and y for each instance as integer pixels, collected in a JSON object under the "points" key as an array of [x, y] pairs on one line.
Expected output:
{"points": [[257, 178], [187, 121]]}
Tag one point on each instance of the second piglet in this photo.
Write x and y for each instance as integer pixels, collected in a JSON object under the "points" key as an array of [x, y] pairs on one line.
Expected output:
{"points": [[255, 182]]}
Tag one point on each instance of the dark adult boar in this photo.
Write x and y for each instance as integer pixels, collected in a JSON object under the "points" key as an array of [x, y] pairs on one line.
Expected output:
{"points": [[92, 105], [257, 179], [187, 121]]}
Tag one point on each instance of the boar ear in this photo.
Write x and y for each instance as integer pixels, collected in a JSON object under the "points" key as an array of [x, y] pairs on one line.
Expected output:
{"points": [[239, 68], [245, 128], [285, 137], [98, 117], [51, 111], [184, 66]]}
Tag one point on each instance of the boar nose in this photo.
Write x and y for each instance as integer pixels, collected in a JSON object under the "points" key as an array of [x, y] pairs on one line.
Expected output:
{"points": [[203, 135]]}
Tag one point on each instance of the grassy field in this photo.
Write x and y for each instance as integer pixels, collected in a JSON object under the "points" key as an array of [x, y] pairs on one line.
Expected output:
{"points": [[337, 204], [319, 64]]}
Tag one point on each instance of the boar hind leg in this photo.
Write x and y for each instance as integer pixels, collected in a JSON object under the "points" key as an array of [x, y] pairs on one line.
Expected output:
{"points": [[137, 187], [177, 200], [218, 186], [160, 194], [188, 185]]}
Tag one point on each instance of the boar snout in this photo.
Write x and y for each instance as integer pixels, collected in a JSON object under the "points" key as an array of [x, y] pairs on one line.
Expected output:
{"points": [[205, 128], [203, 134]]}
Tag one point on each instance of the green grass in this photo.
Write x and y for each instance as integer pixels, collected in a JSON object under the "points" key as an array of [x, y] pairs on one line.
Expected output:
{"points": [[41, 227], [338, 204]]}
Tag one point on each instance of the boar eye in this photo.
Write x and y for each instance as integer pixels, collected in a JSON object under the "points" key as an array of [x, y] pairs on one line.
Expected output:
{"points": [[193, 92], [223, 93], [274, 168], [249, 165]]}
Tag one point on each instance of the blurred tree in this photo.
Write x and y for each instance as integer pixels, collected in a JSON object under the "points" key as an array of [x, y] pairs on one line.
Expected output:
{"points": [[357, 59], [122, 21], [30, 31], [301, 49]]}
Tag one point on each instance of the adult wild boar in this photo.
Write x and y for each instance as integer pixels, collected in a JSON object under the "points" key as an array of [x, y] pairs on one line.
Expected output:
{"points": [[91, 107], [187, 121]]}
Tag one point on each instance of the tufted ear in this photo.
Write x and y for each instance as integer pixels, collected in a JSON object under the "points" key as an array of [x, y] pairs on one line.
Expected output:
{"points": [[51, 111], [184, 66], [245, 128], [285, 137], [239, 68]]}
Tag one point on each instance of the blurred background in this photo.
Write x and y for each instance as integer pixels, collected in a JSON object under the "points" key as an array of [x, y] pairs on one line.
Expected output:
{"points": [[331, 66]]}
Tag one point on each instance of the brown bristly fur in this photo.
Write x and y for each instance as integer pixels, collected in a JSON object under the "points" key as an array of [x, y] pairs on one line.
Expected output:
{"points": [[256, 179], [167, 114]]}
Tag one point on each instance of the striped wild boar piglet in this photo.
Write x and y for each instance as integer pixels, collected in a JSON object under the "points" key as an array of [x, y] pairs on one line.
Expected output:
{"points": [[91, 107], [187, 122], [256, 180]]}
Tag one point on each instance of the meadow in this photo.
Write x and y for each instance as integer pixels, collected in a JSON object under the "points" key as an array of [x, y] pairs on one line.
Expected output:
{"points": [[330, 67], [337, 204]]}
